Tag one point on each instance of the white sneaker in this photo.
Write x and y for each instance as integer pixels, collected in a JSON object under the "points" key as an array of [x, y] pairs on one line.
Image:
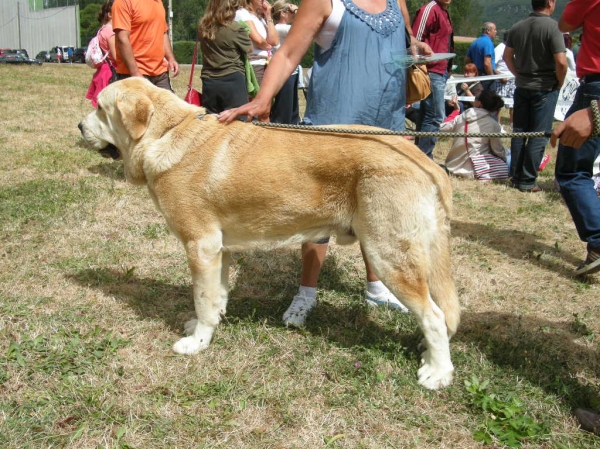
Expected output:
{"points": [[386, 299], [298, 310]]}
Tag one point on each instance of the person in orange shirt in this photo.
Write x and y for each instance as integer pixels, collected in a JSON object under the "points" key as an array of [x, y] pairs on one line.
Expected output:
{"points": [[143, 45]]}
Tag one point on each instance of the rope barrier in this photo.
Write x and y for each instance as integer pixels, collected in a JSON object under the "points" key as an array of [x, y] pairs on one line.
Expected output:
{"points": [[385, 132]]}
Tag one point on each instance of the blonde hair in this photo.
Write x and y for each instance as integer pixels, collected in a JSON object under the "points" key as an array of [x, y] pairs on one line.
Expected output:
{"points": [[218, 13], [278, 7], [248, 5]]}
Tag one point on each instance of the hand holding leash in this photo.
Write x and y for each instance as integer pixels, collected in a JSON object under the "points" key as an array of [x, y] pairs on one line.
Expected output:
{"points": [[256, 108], [575, 130]]}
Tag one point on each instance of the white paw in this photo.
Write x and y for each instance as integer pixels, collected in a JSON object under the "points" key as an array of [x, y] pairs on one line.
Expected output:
{"points": [[434, 375], [190, 326], [189, 345]]}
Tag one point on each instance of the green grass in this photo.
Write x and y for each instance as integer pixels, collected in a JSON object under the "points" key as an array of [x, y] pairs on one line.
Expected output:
{"points": [[94, 291]]}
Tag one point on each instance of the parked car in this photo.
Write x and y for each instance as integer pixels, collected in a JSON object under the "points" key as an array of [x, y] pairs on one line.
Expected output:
{"points": [[43, 56], [53, 55], [18, 59], [5, 51], [64, 54], [21, 51], [31, 61], [79, 55]]}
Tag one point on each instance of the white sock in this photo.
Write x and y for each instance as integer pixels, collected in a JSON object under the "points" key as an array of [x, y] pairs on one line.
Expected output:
{"points": [[309, 292], [376, 288]]}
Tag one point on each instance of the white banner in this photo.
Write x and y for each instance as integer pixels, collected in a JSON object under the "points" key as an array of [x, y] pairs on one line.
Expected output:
{"points": [[565, 97]]}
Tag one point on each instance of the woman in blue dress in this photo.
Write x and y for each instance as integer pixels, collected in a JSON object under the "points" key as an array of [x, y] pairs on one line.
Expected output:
{"points": [[354, 81]]}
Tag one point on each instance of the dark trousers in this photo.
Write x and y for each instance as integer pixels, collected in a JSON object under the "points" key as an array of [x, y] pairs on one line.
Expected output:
{"points": [[163, 81], [227, 92], [285, 108], [534, 112]]}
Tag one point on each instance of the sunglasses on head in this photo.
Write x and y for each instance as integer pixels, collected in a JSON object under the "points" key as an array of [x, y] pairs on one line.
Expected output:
{"points": [[292, 11]]}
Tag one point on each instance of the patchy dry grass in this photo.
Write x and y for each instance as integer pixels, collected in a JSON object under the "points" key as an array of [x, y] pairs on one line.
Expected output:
{"points": [[94, 291]]}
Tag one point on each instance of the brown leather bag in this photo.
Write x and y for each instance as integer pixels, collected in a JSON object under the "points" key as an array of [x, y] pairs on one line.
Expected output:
{"points": [[418, 85]]}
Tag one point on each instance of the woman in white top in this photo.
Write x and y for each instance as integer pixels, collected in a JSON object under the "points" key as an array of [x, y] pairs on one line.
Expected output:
{"points": [[257, 14], [479, 120], [285, 108]]}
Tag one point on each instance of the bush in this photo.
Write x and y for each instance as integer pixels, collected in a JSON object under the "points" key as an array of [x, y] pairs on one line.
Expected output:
{"points": [[184, 52], [460, 48], [308, 59]]}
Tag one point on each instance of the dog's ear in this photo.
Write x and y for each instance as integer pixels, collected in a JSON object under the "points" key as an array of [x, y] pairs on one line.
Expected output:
{"points": [[136, 111]]}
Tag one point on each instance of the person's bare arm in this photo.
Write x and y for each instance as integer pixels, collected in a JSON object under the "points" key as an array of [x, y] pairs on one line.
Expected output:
{"points": [[169, 56], [416, 47], [406, 16], [560, 60], [112, 47], [508, 56], [272, 34], [126, 52], [566, 27], [257, 40], [487, 65], [308, 22]]}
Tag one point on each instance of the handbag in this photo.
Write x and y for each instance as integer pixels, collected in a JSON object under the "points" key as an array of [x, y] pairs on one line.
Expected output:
{"points": [[487, 167], [193, 96], [418, 84]]}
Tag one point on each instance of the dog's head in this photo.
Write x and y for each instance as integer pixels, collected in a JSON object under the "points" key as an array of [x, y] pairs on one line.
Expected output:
{"points": [[131, 114]]}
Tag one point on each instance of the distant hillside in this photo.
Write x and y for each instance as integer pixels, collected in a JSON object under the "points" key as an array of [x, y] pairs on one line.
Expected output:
{"points": [[505, 13]]}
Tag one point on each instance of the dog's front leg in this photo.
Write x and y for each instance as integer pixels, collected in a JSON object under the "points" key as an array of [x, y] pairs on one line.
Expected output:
{"points": [[206, 261]]}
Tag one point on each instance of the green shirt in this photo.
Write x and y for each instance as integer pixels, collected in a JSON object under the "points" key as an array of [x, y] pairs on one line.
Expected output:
{"points": [[224, 54]]}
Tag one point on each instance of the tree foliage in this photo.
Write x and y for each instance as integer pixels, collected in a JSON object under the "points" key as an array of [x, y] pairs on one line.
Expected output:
{"points": [[88, 22], [465, 15]]}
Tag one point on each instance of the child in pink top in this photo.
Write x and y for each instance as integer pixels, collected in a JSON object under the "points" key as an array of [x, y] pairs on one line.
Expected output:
{"points": [[106, 39]]}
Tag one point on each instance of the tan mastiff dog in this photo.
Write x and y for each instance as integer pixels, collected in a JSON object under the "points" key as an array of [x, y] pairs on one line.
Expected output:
{"points": [[224, 188]]}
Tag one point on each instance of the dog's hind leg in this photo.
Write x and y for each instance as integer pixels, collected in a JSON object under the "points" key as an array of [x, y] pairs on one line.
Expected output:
{"points": [[410, 287], [210, 271], [441, 283], [405, 270]]}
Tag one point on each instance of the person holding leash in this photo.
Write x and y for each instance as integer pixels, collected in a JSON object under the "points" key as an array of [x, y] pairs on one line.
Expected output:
{"points": [[354, 81], [574, 168], [579, 147]]}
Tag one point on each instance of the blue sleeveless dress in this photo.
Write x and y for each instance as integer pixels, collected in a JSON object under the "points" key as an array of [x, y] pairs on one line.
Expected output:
{"points": [[355, 81]]}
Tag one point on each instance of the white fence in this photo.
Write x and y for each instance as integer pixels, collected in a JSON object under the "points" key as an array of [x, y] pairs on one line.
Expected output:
{"points": [[37, 30]]}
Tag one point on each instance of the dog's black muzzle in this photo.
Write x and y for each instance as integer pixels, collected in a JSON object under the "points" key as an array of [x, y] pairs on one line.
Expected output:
{"points": [[110, 151]]}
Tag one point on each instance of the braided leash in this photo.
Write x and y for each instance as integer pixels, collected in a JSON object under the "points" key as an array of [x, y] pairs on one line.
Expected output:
{"points": [[595, 117], [385, 132]]}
